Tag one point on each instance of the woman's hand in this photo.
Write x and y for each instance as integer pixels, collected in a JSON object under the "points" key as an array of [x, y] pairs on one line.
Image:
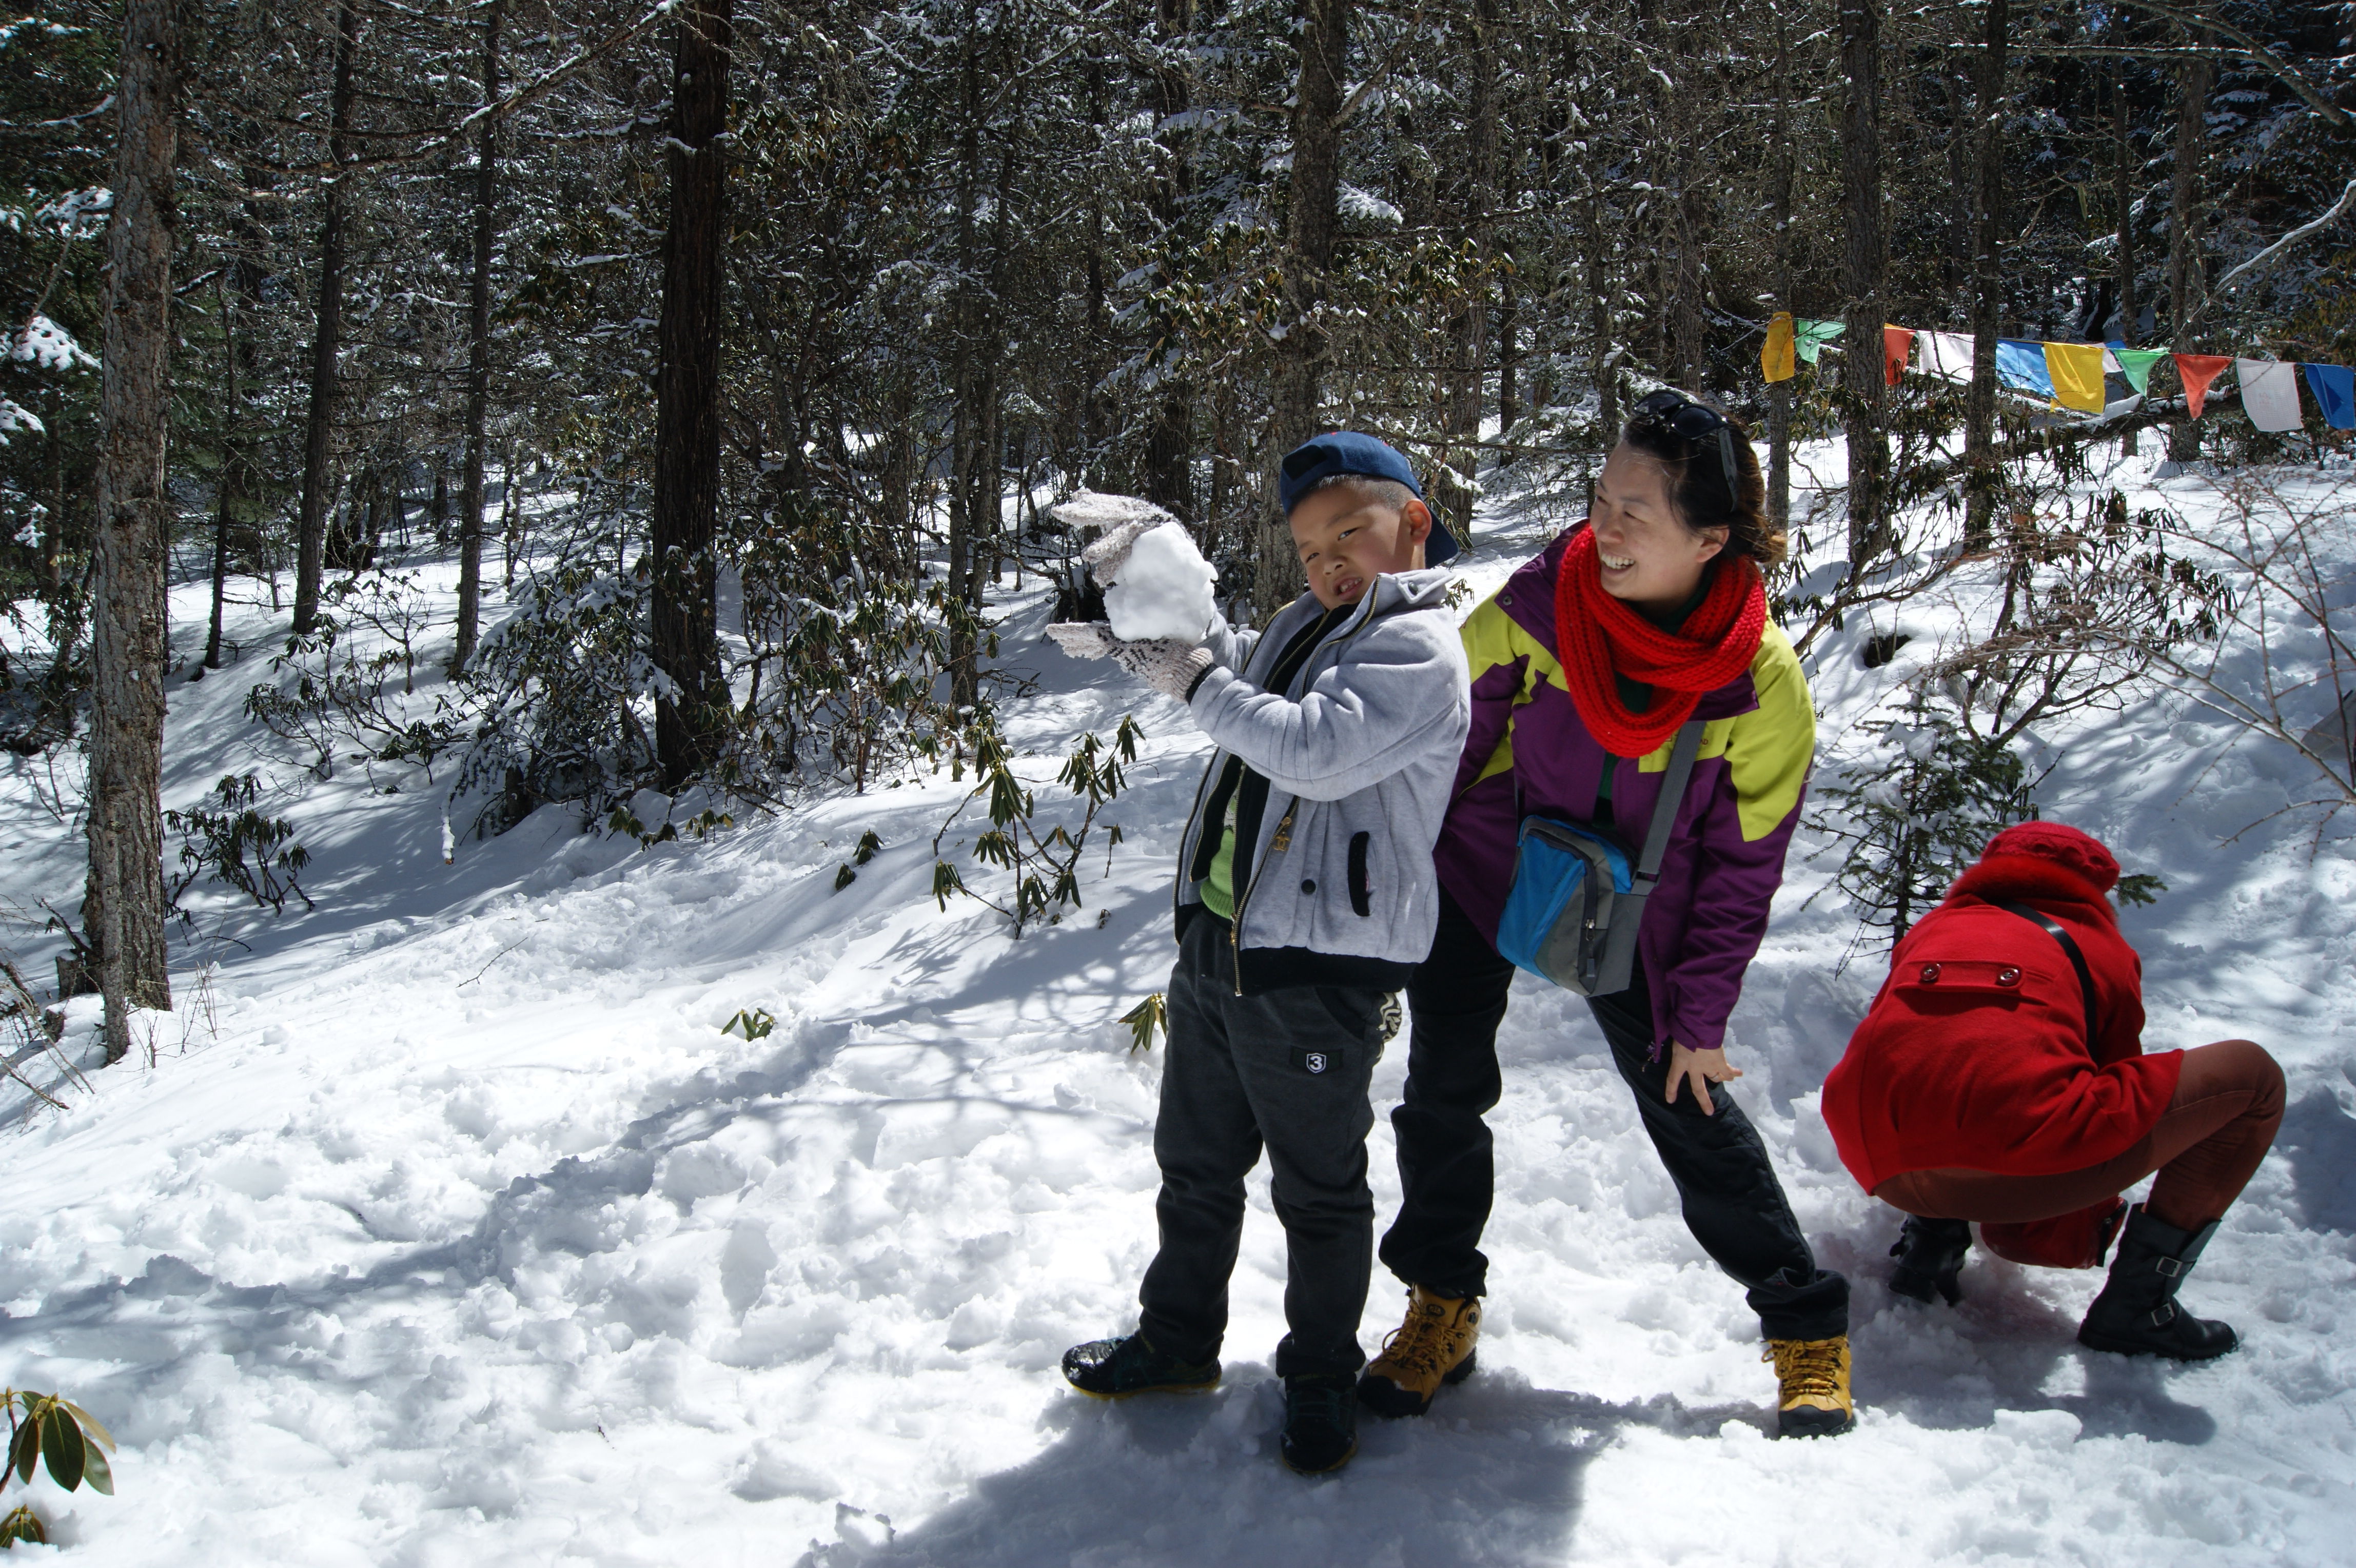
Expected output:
{"points": [[1704, 1067]]}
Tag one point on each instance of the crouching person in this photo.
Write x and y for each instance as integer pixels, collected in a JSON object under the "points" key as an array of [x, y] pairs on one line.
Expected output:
{"points": [[2000, 1077], [1305, 895]]}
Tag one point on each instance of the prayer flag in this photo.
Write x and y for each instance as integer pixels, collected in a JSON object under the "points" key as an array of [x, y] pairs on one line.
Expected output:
{"points": [[1814, 335], [2269, 392], [2197, 370], [2020, 365], [2077, 372], [1897, 342], [2135, 365], [1947, 354], [2334, 387], [1775, 357]]}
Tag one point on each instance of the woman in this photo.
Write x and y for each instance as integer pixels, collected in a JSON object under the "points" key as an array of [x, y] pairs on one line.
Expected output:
{"points": [[1585, 665], [2000, 1077]]}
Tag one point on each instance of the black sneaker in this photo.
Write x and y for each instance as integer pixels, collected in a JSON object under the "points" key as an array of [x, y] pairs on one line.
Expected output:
{"points": [[1320, 1421], [1115, 1369]]}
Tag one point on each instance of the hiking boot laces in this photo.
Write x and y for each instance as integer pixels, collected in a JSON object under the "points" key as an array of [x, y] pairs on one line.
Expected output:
{"points": [[1419, 1345], [1808, 1369]]}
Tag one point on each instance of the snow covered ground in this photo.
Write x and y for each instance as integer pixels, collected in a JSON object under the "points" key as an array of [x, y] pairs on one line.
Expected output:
{"points": [[447, 1227]]}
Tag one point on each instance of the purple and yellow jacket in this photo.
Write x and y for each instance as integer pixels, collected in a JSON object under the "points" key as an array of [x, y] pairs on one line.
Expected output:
{"points": [[1725, 857]]}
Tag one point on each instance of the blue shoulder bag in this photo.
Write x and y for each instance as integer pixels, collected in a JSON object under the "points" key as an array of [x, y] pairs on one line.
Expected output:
{"points": [[1577, 899]]}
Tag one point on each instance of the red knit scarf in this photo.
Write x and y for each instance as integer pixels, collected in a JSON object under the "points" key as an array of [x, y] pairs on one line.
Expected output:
{"points": [[1596, 634]]}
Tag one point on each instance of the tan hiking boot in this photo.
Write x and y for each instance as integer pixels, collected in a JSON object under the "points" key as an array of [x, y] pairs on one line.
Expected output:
{"points": [[1433, 1346], [1814, 1375]]}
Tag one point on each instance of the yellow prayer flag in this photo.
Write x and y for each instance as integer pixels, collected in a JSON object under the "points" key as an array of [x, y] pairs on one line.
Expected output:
{"points": [[2077, 373], [1776, 358]]}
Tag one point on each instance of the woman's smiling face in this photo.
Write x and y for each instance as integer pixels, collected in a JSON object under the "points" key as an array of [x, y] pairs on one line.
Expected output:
{"points": [[1649, 557]]}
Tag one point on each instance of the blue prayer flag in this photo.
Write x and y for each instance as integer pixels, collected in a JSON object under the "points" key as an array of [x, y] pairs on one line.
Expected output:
{"points": [[2020, 365], [2334, 387]]}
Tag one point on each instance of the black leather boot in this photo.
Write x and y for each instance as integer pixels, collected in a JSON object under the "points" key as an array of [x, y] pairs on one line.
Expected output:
{"points": [[2136, 1313], [1930, 1254]]}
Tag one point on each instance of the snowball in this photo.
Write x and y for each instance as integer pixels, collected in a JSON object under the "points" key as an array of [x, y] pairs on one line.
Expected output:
{"points": [[1163, 589]]}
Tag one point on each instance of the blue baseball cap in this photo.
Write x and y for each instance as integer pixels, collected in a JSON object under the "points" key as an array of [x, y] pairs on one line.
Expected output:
{"points": [[1351, 451]]}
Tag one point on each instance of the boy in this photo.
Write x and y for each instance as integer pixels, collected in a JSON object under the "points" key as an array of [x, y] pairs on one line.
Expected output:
{"points": [[1305, 895]]}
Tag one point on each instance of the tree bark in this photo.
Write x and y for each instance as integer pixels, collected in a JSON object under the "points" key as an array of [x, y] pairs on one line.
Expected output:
{"points": [[972, 381], [1603, 308], [1861, 368], [687, 389], [1778, 393], [2126, 197], [1982, 475], [311, 517], [1470, 330], [478, 356], [228, 485], [127, 630], [1170, 439], [1312, 222], [2187, 280]]}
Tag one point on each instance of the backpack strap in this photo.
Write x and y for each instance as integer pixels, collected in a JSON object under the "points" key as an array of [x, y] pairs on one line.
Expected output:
{"points": [[2070, 946], [1665, 810]]}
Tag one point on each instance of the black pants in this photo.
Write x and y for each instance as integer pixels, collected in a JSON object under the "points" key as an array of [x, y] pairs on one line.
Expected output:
{"points": [[1287, 1070], [1734, 1204]]}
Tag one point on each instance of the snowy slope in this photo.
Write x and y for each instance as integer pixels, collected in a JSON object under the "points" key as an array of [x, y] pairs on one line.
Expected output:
{"points": [[448, 1228]]}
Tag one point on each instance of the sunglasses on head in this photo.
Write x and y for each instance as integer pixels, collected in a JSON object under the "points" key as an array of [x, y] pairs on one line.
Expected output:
{"points": [[1670, 413]]}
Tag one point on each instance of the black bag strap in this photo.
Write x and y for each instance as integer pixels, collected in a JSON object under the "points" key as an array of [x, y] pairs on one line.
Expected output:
{"points": [[1672, 794], [1665, 810], [2070, 946]]}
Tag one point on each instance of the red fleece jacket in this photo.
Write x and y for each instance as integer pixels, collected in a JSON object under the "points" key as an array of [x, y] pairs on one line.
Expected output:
{"points": [[1975, 1056]]}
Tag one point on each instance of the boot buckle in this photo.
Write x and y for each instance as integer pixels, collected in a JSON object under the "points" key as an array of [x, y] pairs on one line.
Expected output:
{"points": [[2163, 1314], [2173, 1268]]}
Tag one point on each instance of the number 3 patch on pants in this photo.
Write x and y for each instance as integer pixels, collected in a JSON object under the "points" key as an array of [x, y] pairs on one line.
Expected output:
{"points": [[1316, 1062]]}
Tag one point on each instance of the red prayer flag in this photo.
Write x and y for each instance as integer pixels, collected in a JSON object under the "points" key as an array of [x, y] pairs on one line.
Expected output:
{"points": [[2199, 371], [1897, 342]]}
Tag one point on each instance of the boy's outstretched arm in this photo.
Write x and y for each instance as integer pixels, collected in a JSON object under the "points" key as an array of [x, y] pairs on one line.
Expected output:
{"points": [[1399, 694]]}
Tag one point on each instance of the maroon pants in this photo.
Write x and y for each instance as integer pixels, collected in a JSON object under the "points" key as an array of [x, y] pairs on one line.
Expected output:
{"points": [[2205, 1147]]}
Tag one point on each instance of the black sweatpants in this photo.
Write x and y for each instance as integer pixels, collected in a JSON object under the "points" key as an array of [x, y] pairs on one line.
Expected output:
{"points": [[1734, 1204], [1287, 1070]]}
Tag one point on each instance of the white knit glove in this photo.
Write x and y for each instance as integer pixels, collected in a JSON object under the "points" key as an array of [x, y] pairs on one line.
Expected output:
{"points": [[1167, 665], [1083, 639], [1107, 556]]}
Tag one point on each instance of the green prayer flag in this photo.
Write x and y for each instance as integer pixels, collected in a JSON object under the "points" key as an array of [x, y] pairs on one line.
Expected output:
{"points": [[2135, 365], [1808, 336]]}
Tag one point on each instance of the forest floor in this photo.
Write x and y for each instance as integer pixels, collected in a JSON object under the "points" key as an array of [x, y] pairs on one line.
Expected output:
{"points": [[447, 1227]]}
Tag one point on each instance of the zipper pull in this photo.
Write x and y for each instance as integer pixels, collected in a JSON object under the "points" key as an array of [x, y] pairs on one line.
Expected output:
{"points": [[1283, 840]]}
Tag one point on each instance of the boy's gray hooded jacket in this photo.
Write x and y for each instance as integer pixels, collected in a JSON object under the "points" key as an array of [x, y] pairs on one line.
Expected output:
{"points": [[1343, 779]]}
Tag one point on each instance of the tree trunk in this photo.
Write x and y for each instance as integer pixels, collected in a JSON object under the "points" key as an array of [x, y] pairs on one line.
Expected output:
{"points": [[311, 523], [1170, 439], [1470, 331], [1688, 217], [1983, 478], [1604, 307], [687, 382], [1778, 393], [478, 356], [507, 522], [1312, 222], [2187, 280], [2126, 183], [971, 384], [228, 486], [1509, 362], [125, 918], [1861, 366]]}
